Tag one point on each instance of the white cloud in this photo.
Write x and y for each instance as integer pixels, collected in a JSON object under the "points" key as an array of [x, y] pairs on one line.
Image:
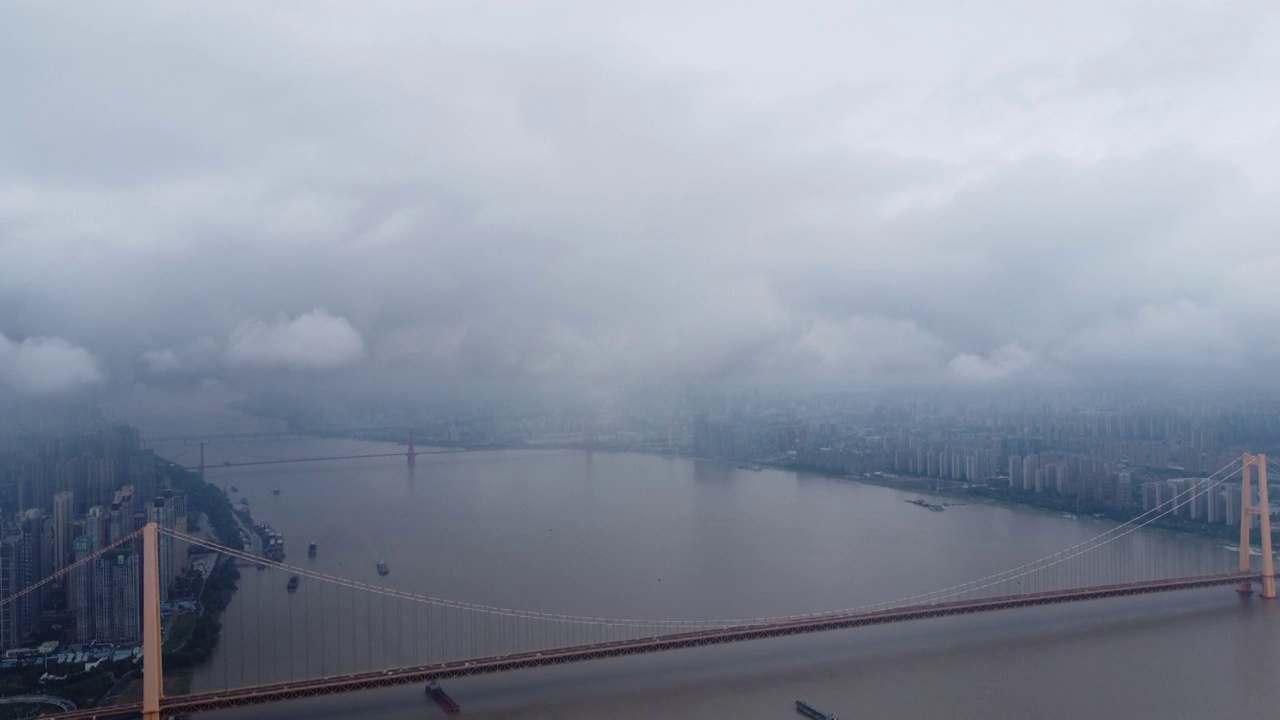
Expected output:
{"points": [[1002, 363], [46, 365], [161, 362], [868, 346], [314, 340]]}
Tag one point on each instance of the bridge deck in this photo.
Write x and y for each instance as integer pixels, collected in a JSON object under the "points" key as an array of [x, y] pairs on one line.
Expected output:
{"points": [[292, 690], [284, 461]]}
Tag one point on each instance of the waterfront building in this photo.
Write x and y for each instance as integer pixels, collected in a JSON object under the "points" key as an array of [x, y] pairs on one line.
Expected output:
{"points": [[1015, 472], [1030, 466], [1231, 508]]}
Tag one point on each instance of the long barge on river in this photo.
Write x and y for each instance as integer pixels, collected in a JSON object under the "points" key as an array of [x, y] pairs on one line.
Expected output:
{"points": [[810, 711]]}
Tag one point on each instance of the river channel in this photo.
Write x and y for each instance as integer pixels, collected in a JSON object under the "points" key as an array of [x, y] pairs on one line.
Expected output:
{"points": [[625, 535]]}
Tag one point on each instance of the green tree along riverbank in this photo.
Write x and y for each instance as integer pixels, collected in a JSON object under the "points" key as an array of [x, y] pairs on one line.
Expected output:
{"points": [[192, 637], [83, 688], [205, 499], [202, 632]]}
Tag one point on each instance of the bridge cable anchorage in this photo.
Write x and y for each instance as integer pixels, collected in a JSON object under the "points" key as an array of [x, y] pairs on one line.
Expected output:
{"points": [[1014, 574]]}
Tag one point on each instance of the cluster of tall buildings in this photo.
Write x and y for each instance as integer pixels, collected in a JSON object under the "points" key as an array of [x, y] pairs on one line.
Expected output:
{"points": [[1100, 448], [1195, 498], [76, 494], [1073, 475]]}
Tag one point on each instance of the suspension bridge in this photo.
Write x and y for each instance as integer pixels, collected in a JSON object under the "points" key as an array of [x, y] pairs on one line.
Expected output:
{"points": [[410, 453], [337, 635]]}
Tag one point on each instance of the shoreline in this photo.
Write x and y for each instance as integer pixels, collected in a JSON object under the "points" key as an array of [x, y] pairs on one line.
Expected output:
{"points": [[908, 483]]}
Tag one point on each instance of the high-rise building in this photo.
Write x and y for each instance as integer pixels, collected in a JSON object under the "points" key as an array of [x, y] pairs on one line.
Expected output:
{"points": [[116, 596], [38, 540], [1015, 472], [63, 515], [120, 515], [1215, 506], [142, 473], [1030, 466], [95, 527], [177, 548], [160, 512], [80, 591], [1164, 495], [11, 634], [27, 552], [1181, 491], [1124, 490], [1199, 500], [100, 483], [1232, 498], [1150, 495]]}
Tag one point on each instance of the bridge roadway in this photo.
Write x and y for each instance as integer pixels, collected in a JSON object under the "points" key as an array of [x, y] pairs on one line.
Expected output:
{"points": [[298, 689], [272, 434], [403, 453]]}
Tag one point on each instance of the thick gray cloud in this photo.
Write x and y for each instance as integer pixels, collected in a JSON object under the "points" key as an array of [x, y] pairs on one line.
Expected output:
{"points": [[314, 340], [46, 366], [576, 191]]}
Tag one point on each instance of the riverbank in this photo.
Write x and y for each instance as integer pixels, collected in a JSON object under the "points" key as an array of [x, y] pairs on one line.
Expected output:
{"points": [[1035, 501], [193, 636], [1005, 497]]}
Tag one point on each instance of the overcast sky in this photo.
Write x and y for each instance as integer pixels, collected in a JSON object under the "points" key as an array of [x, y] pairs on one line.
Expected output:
{"points": [[604, 192]]}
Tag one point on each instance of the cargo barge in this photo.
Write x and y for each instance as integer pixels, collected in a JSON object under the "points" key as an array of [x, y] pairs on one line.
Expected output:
{"points": [[808, 710], [437, 693], [926, 504]]}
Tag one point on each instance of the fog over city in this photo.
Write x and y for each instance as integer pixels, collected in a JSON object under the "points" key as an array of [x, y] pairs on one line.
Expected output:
{"points": [[550, 193]]}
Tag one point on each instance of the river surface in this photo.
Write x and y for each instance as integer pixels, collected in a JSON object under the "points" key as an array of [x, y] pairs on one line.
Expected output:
{"points": [[624, 535]]}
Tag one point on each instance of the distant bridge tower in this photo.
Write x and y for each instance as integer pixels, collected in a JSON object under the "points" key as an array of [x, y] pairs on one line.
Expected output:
{"points": [[412, 454], [1248, 508], [589, 436]]}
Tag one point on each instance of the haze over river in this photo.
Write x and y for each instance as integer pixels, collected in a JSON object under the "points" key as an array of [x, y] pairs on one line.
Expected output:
{"points": [[625, 535]]}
